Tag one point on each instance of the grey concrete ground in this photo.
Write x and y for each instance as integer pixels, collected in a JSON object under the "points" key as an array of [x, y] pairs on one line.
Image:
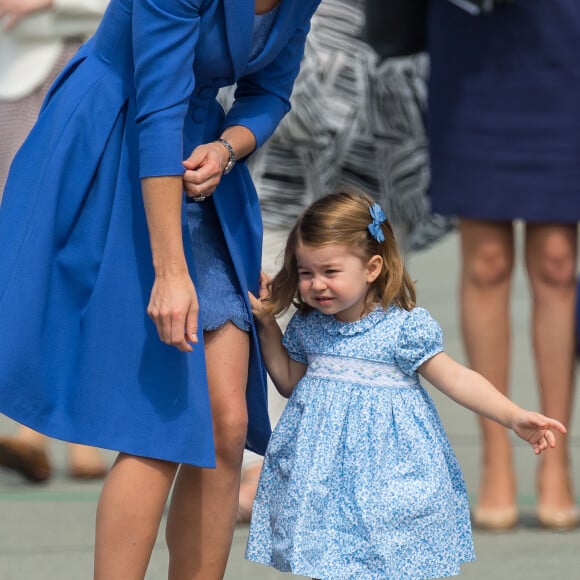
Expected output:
{"points": [[46, 532]]}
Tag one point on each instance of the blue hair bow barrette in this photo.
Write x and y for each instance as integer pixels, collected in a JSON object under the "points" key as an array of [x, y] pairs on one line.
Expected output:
{"points": [[379, 217]]}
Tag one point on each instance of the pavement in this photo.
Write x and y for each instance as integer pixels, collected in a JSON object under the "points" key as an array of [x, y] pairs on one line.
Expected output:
{"points": [[46, 531]]}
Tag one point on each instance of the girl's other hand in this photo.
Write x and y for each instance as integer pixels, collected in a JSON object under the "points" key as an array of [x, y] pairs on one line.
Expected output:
{"points": [[174, 308], [536, 429]]}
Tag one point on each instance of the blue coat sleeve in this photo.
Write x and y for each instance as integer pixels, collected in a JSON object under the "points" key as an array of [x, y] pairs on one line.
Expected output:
{"points": [[262, 99], [165, 35]]}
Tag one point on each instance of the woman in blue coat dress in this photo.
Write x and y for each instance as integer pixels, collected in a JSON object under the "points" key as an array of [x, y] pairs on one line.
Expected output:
{"points": [[95, 235]]}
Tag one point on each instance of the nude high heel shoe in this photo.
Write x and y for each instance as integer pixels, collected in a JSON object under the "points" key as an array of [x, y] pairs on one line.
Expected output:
{"points": [[566, 518], [499, 519]]}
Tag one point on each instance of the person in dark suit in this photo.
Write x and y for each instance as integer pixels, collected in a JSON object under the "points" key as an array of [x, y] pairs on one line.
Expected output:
{"points": [[101, 228]]}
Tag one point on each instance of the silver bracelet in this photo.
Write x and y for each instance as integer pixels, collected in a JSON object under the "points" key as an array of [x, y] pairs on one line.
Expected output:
{"points": [[232, 160]]}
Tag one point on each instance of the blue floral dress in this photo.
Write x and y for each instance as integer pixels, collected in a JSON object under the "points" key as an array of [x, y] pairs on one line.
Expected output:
{"points": [[360, 480]]}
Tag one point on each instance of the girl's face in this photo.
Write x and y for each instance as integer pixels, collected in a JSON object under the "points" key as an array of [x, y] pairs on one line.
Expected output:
{"points": [[335, 280]]}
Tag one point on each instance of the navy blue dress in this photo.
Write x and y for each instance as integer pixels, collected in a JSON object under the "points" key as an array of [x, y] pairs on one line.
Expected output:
{"points": [[504, 111]]}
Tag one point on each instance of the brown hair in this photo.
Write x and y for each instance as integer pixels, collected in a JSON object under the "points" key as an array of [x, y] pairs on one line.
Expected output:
{"points": [[343, 218]]}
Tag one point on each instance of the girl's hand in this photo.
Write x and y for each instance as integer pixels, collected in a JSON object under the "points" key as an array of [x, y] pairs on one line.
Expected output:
{"points": [[260, 307], [174, 308], [536, 429], [204, 169], [12, 11]]}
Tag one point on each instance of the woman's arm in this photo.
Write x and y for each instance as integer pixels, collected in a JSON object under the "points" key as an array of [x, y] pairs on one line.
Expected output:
{"points": [[165, 34], [13, 11], [473, 391], [173, 302], [260, 102], [80, 7]]}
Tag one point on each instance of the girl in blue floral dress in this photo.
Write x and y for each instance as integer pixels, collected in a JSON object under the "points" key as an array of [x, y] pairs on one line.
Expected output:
{"points": [[360, 480]]}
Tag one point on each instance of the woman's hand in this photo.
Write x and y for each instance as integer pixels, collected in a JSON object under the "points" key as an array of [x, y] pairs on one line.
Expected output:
{"points": [[536, 429], [204, 169], [12, 11], [174, 308]]}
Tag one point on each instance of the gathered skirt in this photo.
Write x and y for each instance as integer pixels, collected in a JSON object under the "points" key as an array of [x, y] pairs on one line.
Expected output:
{"points": [[360, 483]]}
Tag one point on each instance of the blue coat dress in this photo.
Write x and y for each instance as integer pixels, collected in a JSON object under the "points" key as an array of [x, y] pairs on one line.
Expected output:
{"points": [[79, 358]]}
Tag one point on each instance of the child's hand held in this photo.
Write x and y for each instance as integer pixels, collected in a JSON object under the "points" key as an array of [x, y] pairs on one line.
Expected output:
{"points": [[255, 303], [265, 280], [261, 308]]}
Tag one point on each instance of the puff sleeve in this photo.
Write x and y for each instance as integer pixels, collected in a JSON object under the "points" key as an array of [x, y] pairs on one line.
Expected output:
{"points": [[420, 338], [292, 340]]}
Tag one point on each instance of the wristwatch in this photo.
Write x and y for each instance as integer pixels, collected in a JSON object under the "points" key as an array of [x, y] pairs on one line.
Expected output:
{"points": [[232, 160]]}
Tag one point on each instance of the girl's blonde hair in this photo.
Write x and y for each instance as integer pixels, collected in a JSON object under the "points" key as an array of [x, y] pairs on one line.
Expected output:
{"points": [[343, 218]]}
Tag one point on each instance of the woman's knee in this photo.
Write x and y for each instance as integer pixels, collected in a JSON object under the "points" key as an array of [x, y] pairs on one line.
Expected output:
{"points": [[553, 264], [230, 430], [487, 250], [489, 264], [227, 353]]}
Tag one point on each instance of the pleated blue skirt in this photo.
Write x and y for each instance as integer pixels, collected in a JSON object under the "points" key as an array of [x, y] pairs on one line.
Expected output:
{"points": [[80, 360]]}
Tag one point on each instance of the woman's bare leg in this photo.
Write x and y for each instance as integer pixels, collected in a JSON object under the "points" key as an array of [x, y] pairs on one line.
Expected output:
{"points": [[85, 462], [27, 452], [248, 487], [202, 514], [487, 265], [31, 437], [551, 267], [128, 516]]}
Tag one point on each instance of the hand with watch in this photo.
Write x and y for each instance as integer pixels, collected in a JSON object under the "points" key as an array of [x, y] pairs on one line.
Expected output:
{"points": [[205, 167], [232, 160]]}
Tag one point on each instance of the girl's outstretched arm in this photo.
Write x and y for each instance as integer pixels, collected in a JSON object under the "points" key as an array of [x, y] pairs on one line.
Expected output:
{"points": [[475, 392], [284, 371]]}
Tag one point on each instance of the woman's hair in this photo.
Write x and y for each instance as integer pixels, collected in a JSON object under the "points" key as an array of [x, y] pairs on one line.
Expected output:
{"points": [[343, 218]]}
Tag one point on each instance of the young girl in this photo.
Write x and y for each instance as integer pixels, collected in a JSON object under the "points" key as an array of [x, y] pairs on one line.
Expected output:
{"points": [[359, 479]]}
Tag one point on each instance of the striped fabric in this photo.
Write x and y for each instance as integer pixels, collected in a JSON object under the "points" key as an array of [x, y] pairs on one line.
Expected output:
{"points": [[354, 121]]}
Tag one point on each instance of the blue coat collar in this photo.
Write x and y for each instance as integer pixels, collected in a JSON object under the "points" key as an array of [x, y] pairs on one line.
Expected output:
{"points": [[239, 17]]}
